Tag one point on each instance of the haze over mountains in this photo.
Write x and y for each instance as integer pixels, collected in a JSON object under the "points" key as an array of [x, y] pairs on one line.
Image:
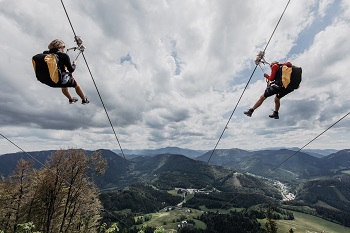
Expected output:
{"points": [[281, 164], [166, 150], [195, 153]]}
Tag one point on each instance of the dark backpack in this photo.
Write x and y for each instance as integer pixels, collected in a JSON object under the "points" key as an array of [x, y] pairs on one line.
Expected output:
{"points": [[46, 69], [290, 77]]}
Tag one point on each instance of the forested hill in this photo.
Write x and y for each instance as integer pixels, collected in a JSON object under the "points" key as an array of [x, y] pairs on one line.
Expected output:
{"points": [[166, 171], [8, 162], [115, 172], [291, 165], [217, 184], [300, 165], [338, 159]]}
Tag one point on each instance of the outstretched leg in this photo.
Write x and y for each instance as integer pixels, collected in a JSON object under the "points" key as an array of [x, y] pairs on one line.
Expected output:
{"points": [[79, 91], [256, 105], [259, 102]]}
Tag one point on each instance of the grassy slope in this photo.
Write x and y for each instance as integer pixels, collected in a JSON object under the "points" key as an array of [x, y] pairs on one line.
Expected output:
{"points": [[305, 222], [162, 216], [301, 224], [346, 172]]}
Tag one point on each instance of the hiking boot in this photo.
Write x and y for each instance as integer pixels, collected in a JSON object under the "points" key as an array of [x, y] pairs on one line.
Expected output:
{"points": [[274, 115], [73, 100], [249, 112], [85, 101]]}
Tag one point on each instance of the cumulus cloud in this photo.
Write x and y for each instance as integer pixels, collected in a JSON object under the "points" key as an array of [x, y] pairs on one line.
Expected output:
{"points": [[170, 73]]}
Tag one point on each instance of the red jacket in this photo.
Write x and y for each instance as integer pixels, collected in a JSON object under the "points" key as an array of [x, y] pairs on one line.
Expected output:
{"points": [[274, 70]]}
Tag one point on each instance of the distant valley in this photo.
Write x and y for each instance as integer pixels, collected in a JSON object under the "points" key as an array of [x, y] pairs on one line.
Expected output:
{"points": [[321, 182]]}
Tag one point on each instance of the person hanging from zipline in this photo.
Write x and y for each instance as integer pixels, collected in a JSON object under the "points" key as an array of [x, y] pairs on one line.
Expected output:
{"points": [[284, 79], [54, 68]]}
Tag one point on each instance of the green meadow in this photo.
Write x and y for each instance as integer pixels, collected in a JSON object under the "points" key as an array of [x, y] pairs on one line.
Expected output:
{"points": [[170, 219], [308, 223], [302, 223]]}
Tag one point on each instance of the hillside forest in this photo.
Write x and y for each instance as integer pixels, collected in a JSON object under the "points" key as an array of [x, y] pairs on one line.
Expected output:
{"points": [[72, 191]]}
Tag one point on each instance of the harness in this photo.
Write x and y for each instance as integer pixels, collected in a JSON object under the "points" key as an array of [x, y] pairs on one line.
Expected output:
{"points": [[46, 66], [288, 77]]}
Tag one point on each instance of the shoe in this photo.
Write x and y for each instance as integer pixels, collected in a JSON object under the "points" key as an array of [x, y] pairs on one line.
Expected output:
{"points": [[274, 115], [85, 101], [73, 100], [249, 112]]}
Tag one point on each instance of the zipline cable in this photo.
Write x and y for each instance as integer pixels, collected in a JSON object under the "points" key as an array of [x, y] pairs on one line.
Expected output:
{"points": [[217, 143], [23, 151], [98, 92], [296, 152]]}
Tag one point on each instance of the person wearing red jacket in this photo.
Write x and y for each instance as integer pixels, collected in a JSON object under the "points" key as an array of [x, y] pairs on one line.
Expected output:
{"points": [[274, 88]]}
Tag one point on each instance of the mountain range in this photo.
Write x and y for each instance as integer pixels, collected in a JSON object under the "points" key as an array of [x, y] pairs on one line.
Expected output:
{"points": [[282, 164], [227, 178], [315, 181], [318, 153], [163, 171], [166, 150]]}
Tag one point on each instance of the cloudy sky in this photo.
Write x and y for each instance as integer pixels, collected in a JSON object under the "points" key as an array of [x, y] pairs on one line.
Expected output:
{"points": [[170, 73]]}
